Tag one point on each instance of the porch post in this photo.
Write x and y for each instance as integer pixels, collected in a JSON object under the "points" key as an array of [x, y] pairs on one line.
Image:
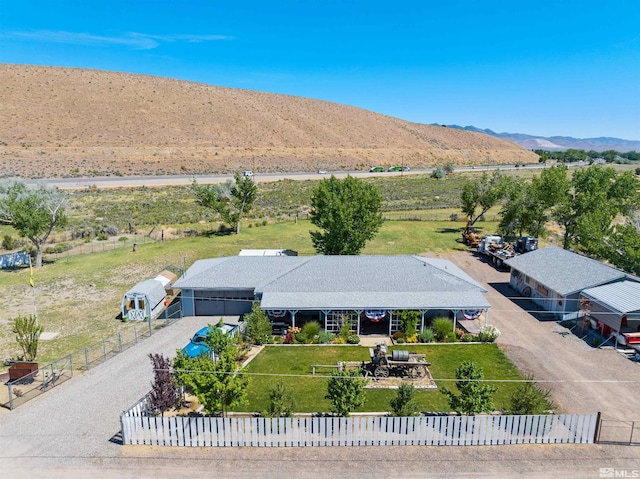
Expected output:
{"points": [[293, 317], [390, 320], [359, 313], [455, 316], [422, 313], [486, 316], [326, 317]]}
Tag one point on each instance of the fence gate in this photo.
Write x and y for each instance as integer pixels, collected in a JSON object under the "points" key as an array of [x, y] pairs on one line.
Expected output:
{"points": [[611, 431]]}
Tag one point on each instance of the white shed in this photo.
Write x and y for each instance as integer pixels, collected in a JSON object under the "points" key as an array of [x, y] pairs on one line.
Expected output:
{"points": [[145, 300]]}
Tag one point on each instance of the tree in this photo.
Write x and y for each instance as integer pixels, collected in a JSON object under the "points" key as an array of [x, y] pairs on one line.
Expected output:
{"points": [[404, 404], [528, 206], [216, 383], [624, 252], [28, 333], [231, 200], [164, 393], [258, 326], [348, 214], [34, 211], [475, 397], [529, 398], [482, 194], [438, 173], [345, 391], [281, 401], [597, 197]]}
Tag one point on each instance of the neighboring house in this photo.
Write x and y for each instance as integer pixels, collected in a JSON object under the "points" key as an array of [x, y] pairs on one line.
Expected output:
{"points": [[366, 290], [615, 308], [267, 252], [554, 278]]}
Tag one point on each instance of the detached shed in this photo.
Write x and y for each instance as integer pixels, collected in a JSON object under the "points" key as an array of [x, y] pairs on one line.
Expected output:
{"points": [[146, 299], [615, 308]]}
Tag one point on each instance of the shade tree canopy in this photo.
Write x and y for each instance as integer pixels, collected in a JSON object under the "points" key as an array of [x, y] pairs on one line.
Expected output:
{"points": [[33, 210], [347, 213]]}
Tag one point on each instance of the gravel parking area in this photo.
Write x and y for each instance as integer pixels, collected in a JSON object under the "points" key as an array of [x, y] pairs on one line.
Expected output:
{"points": [[73, 430]]}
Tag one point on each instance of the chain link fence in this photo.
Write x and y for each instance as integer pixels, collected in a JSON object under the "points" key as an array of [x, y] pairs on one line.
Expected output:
{"points": [[32, 385]]}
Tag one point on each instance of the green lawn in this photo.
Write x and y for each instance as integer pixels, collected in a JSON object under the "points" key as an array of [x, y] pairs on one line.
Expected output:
{"points": [[293, 365]]}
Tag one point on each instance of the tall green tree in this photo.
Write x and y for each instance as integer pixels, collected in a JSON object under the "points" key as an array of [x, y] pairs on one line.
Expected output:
{"points": [[34, 211], [478, 196], [597, 197], [216, 383], [624, 250], [528, 206], [231, 200], [475, 396], [345, 391], [348, 214], [281, 400], [258, 325]]}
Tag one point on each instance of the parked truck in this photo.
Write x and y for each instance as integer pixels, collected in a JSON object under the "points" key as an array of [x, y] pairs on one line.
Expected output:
{"points": [[498, 250]]}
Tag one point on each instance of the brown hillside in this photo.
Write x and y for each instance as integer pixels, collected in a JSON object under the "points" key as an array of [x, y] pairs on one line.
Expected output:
{"points": [[77, 122]]}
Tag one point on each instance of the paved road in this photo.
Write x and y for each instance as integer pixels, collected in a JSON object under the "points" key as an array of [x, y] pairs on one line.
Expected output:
{"points": [[72, 430], [183, 180]]}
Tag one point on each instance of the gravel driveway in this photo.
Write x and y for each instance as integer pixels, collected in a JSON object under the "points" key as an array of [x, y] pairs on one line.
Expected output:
{"points": [[72, 431]]}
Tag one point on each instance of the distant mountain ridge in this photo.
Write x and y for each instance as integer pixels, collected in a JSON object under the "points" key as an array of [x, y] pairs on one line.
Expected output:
{"points": [[557, 143]]}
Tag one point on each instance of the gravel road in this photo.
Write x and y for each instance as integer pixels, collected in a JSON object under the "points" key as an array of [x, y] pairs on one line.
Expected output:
{"points": [[72, 431]]}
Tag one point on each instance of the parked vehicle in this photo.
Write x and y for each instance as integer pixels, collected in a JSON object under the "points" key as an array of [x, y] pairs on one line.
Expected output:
{"points": [[525, 244], [376, 169], [499, 251], [395, 168], [247, 173], [470, 236], [198, 346]]}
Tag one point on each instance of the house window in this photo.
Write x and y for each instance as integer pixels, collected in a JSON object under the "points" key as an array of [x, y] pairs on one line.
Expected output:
{"points": [[528, 280], [542, 290]]}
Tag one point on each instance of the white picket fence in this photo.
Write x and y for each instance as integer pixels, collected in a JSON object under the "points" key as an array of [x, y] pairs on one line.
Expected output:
{"points": [[138, 427]]}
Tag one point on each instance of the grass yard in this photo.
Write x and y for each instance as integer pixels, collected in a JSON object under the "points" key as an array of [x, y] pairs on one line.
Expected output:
{"points": [[293, 365]]}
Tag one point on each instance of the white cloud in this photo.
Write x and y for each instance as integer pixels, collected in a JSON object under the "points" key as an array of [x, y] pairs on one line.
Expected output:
{"points": [[138, 41]]}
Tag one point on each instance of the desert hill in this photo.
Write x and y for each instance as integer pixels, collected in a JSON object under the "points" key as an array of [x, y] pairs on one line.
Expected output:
{"points": [[78, 122]]}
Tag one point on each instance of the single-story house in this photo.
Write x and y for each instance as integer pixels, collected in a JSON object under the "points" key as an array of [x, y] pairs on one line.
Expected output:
{"points": [[615, 308], [554, 278], [366, 290]]}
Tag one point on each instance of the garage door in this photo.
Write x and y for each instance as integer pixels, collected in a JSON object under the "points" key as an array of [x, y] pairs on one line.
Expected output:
{"points": [[223, 303]]}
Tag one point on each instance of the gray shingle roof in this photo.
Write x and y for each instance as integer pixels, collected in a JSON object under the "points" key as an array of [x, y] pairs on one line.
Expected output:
{"points": [[564, 271], [348, 282], [622, 297], [152, 288]]}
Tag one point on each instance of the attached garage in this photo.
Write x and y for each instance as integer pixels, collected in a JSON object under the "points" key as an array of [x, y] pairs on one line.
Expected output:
{"points": [[222, 302]]}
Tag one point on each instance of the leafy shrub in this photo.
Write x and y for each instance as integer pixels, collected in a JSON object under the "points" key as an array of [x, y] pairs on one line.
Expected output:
{"points": [[339, 340], [278, 340], [409, 322], [59, 248], [310, 330], [398, 335], [442, 328], [529, 398], [258, 326], [401, 341], [438, 173], [488, 334], [404, 403], [638, 171], [8, 242], [325, 337], [353, 339], [454, 217], [123, 239], [459, 333], [102, 237], [426, 336], [467, 338]]}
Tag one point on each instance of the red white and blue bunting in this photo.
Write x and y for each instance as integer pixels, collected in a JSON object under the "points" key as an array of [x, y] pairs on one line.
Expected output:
{"points": [[277, 313], [471, 313], [375, 315]]}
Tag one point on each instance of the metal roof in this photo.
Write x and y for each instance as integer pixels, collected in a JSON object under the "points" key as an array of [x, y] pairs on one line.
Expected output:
{"points": [[622, 297], [564, 271], [348, 282], [151, 288]]}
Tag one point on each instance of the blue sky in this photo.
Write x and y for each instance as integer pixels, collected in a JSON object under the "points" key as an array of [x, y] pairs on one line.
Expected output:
{"points": [[560, 67]]}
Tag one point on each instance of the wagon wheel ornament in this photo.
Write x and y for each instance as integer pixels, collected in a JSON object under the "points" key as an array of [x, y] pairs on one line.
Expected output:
{"points": [[381, 372], [418, 372]]}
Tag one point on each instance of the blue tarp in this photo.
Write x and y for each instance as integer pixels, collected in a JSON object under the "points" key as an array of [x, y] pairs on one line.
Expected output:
{"points": [[13, 259]]}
